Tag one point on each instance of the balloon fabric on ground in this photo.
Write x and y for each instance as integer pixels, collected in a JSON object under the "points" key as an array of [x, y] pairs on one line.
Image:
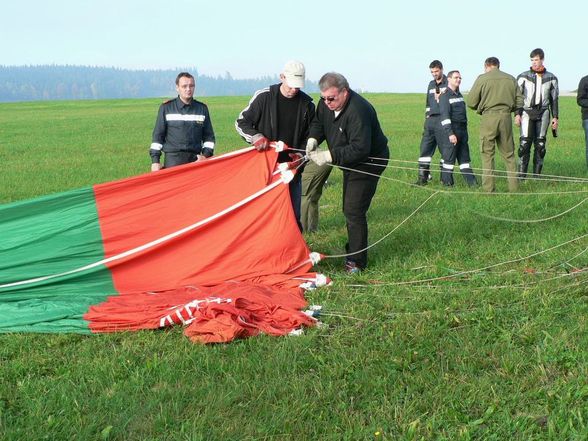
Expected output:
{"points": [[213, 245]]}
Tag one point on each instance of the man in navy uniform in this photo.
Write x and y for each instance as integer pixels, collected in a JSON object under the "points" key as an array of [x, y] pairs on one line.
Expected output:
{"points": [[432, 133], [183, 130], [454, 122]]}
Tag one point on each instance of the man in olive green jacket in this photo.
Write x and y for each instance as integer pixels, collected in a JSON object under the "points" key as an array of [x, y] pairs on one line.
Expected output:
{"points": [[495, 96]]}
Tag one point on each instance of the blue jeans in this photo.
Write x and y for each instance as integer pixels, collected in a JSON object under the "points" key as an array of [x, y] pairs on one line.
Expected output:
{"points": [[585, 124]]}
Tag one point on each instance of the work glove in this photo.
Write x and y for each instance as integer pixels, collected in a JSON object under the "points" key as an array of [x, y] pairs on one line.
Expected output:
{"points": [[321, 158], [260, 142], [311, 145]]}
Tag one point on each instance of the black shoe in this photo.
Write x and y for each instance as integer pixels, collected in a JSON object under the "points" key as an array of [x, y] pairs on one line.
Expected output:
{"points": [[351, 267]]}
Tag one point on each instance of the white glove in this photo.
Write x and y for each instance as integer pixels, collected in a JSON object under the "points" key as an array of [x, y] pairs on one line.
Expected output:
{"points": [[311, 145], [320, 158]]}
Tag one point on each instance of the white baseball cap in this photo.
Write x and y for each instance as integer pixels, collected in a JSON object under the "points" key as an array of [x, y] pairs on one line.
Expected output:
{"points": [[294, 73]]}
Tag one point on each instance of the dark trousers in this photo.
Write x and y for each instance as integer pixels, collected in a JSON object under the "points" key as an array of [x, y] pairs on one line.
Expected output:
{"points": [[295, 186], [173, 159], [585, 125], [460, 152], [358, 191], [433, 136], [534, 129]]}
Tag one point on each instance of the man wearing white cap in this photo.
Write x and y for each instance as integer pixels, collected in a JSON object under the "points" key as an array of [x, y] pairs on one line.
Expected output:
{"points": [[280, 112]]}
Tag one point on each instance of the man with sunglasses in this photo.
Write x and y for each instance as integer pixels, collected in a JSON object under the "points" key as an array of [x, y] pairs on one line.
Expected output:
{"points": [[281, 112], [356, 143]]}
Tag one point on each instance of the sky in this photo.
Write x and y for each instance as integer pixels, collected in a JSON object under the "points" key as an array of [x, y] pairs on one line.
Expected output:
{"points": [[380, 46]]}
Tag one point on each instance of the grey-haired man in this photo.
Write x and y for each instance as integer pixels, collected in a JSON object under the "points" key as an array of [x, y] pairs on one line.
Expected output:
{"points": [[356, 143]]}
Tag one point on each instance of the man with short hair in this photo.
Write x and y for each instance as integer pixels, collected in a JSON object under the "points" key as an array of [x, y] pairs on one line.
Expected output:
{"points": [[356, 143], [540, 94], [454, 122], [582, 100], [495, 95], [183, 129], [432, 132], [281, 112]]}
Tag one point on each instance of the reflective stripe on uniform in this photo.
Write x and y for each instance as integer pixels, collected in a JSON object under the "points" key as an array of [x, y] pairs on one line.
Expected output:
{"points": [[179, 117]]}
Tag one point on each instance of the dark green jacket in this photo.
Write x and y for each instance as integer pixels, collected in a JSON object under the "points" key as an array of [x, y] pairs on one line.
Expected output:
{"points": [[495, 91]]}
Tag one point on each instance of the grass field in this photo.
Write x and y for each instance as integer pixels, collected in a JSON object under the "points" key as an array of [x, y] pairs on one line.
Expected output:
{"points": [[494, 346]]}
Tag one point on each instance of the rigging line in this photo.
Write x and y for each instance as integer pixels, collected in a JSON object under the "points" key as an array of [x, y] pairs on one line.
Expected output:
{"points": [[461, 273], [529, 177], [478, 288], [570, 259], [576, 283], [528, 221], [333, 314], [388, 234], [579, 179], [498, 173], [453, 191], [494, 265], [495, 173]]}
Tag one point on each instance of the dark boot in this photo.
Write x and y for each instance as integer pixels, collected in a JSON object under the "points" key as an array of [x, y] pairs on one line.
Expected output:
{"points": [[538, 156], [469, 177], [447, 177], [523, 166], [424, 174]]}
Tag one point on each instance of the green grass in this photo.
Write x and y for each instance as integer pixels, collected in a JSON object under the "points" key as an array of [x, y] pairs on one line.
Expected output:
{"points": [[494, 354]]}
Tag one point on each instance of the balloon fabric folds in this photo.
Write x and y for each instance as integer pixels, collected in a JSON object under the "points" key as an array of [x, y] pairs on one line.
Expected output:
{"points": [[213, 245]]}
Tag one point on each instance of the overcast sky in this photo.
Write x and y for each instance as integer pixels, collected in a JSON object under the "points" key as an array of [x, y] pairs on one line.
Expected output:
{"points": [[380, 46]]}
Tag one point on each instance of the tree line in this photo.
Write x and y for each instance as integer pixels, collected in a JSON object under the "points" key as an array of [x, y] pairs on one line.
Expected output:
{"points": [[55, 82]]}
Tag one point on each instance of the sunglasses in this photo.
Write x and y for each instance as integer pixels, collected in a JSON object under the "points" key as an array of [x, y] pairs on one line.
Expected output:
{"points": [[328, 99]]}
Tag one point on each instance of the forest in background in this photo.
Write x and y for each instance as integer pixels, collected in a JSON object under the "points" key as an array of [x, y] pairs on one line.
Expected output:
{"points": [[53, 82]]}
